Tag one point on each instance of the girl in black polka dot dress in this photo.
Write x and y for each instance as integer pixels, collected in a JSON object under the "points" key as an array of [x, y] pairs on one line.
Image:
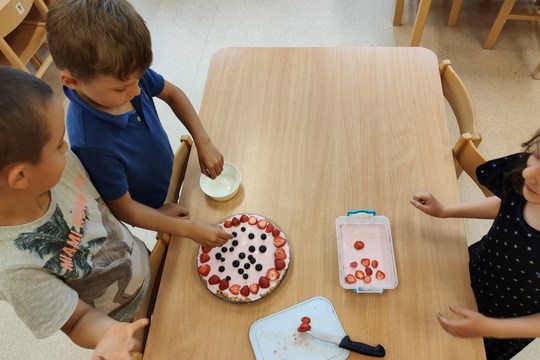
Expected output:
{"points": [[505, 264]]}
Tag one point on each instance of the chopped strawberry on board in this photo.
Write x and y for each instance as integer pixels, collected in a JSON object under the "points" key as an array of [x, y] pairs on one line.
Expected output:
{"points": [[359, 245], [380, 275], [279, 241], [367, 279], [204, 269], [304, 328], [369, 271], [374, 264], [350, 279], [359, 274], [354, 264], [306, 320]]}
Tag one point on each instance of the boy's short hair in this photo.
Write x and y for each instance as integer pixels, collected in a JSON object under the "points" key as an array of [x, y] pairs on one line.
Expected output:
{"points": [[24, 100], [90, 38]]}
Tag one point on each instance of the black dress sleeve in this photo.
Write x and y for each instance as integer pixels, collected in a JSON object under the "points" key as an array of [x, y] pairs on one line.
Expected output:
{"points": [[491, 174]]}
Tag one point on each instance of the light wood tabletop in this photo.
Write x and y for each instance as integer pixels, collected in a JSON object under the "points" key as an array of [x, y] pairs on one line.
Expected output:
{"points": [[316, 132]]}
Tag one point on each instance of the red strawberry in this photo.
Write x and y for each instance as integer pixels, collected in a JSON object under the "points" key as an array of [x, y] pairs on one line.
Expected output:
{"points": [[350, 279], [235, 289], [244, 291], [280, 254], [380, 275], [204, 269], [354, 264], [269, 228], [254, 288], [235, 221], [223, 284], [272, 274], [359, 274], [206, 249], [367, 279], [244, 218], [306, 320], [369, 271], [213, 280], [359, 245], [252, 220], [204, 258], [374, 264], [304, 328], [365, 262], [228, 224], [279, 241], [276, 232], [262, 224], [280, 264], [264, 282]]}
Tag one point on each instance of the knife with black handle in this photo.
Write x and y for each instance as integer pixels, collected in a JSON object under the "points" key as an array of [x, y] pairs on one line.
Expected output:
{"points": [[347, 343]]}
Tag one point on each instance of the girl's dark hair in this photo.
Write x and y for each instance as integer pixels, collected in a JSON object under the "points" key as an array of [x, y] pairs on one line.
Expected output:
{"points": [[24, 130], [513, 178]]}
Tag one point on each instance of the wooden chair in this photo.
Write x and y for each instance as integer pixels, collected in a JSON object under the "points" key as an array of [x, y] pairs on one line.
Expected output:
{"points": [[419, 22], [22, 34], [458, 97], [469, 158], [159, 252]]}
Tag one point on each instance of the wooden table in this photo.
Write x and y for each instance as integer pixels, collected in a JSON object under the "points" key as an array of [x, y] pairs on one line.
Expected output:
{"points": [[316, 132]]}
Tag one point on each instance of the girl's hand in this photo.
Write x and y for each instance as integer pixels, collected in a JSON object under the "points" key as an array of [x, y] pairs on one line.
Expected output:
{"points": [[118, 342], [210, 160], [471, 323], [427, 203], [205, 233]]}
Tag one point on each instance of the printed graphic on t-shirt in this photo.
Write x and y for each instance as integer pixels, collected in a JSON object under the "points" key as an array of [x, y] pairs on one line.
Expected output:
{"points": [[90, 267]]}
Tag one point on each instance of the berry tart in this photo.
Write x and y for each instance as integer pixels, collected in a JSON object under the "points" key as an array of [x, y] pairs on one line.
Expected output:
{"points": [[248, 267]]}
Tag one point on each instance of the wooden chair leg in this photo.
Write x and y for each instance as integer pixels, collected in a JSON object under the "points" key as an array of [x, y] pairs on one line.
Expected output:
{"points": [[398, 12], [536, 72], [454, 12], [420, 22], [500, 20]]}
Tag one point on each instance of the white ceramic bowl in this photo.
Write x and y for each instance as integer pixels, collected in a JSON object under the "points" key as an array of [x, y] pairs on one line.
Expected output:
{"points": [[225, 186]]}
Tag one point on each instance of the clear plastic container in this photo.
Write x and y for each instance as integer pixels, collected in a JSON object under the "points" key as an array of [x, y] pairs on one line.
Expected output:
{"points": [[363, 237]]}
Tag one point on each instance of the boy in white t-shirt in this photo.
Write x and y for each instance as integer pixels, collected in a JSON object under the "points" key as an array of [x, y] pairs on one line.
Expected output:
{"points": [[65, 262]]}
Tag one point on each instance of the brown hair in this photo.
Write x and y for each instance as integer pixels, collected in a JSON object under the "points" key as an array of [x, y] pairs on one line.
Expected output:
{"points": [[90, 38], [23, 105], [513, 178]]}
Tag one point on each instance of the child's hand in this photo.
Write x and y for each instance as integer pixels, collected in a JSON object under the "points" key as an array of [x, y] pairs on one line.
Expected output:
{"points": [[471, 323], [174, 210], [210, 160], [208, 234], [118, 342], [428, 204]]}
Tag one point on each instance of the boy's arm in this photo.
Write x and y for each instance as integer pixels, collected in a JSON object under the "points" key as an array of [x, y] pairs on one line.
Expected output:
{"points": [[92, 329], [210, 158], [486, 208], [134, 213], [473, 324]]}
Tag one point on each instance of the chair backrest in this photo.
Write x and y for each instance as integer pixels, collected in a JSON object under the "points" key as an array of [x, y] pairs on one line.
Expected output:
{"points": [[159, 252], [469, 158]]}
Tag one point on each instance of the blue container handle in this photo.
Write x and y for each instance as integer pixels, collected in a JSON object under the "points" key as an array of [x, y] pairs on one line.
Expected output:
{"points": [[372, 212]]}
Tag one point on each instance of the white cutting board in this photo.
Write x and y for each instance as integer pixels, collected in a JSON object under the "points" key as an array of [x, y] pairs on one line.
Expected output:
{"points": [[275, 337]]}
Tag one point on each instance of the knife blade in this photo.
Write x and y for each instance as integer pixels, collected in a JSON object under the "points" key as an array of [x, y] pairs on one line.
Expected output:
{"points": [[347, 343]]}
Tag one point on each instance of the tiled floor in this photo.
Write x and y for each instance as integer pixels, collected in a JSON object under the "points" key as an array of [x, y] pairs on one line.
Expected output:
{"points": [[187, 33]]}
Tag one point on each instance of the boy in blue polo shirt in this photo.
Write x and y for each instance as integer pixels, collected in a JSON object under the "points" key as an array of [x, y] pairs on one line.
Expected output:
{"points": [[103, 49]]}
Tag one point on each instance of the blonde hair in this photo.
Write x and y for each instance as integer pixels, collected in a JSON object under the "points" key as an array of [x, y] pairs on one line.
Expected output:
{"points": [[90, 38]]}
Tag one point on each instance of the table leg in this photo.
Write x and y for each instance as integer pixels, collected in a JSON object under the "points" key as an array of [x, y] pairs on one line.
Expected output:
{"points": [[398, 12], [500, 20], [536, 72], [454, 12], [420, 21]]}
